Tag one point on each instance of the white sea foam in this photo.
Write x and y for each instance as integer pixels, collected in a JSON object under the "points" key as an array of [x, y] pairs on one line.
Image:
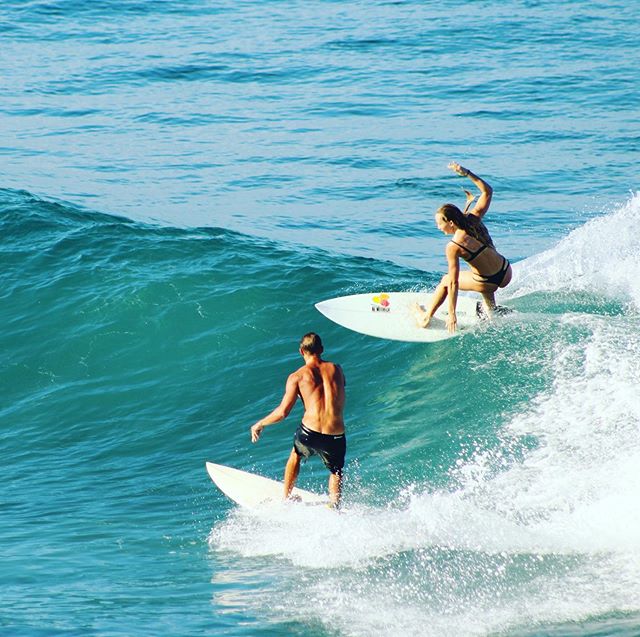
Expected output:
{"points": [[600, 256], [554, 537]]}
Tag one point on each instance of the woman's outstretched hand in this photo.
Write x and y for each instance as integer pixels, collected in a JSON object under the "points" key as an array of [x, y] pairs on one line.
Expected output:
{"points": [[456, 167]]}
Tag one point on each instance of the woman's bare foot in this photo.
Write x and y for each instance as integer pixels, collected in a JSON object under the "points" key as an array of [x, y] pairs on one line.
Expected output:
{"points": [[422, 317]]}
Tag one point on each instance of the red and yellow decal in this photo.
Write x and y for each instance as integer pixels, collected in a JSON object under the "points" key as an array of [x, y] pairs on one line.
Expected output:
{"points": [[380, 303]]}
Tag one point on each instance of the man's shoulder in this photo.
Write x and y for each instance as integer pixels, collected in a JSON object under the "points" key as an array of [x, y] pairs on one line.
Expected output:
{"points": [[333, 368], [300, 373], [297, 374], [323, 367]]}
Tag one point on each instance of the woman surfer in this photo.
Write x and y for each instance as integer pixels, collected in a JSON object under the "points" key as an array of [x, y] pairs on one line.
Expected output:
{"points": [[471, 242]]}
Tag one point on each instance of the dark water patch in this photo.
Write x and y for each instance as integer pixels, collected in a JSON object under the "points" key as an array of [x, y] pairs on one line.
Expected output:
{"points": [[498, 115], [362, 192], [56, 9], [356, 109], [225, 73], [107, 78], [396, 229], [422, 186], [364, 163], [50, 112], [366, 45], [193, 119], [258, 181]]}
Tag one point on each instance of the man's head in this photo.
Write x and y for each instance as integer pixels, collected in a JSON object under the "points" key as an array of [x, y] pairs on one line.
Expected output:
{"points": [[311, 344]]}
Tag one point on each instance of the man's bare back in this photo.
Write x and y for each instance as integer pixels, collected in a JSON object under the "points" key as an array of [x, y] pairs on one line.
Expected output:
{"points": [[321, 388]]}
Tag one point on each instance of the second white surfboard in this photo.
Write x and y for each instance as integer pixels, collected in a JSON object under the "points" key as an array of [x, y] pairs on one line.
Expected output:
{"points": [[392, 315]]}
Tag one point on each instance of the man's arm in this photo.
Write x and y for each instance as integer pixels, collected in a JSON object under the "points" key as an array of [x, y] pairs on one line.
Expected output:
{"points": [[281, 411]]}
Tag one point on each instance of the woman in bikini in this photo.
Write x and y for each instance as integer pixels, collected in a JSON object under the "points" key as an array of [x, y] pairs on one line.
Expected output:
{"points": [[471, 242]]}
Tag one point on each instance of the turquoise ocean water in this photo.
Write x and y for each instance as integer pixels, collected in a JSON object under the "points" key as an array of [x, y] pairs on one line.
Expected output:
{"points": [[181, 182]]}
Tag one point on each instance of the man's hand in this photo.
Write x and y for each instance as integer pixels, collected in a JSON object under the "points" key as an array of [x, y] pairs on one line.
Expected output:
{"points": [[256, 430], [452, 323]]}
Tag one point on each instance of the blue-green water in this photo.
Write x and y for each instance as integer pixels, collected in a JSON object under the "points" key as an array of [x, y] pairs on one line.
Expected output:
{"points": [[181, 183]]}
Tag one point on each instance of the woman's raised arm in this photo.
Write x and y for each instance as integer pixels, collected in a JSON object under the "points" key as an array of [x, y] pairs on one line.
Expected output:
{"points": [[482, 205]]}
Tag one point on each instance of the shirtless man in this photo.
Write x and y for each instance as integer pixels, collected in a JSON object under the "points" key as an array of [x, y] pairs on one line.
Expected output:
{"points": [[321, 386]]}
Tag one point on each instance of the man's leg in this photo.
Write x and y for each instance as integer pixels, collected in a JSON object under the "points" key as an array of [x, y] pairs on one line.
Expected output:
{"points": [[291, 473], [335, 488]]}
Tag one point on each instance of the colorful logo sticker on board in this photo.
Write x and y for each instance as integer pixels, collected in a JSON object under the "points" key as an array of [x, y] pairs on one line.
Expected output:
{"points": [[380, 303]]}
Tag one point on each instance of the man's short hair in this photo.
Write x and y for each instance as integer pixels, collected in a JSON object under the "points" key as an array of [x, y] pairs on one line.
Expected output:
{"points": [[311, 343]]}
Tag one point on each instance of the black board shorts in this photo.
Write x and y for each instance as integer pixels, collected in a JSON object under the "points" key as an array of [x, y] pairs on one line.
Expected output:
{"points": [[331, 449]]}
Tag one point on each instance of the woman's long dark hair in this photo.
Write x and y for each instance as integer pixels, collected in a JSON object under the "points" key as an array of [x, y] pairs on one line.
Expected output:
{"points": [[471, 224]]}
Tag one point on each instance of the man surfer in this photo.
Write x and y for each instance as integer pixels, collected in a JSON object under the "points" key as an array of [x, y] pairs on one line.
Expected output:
{"points": [[321, 386]]}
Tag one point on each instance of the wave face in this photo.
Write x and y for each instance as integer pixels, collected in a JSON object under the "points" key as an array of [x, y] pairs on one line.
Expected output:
{"points": [[492, 479]]}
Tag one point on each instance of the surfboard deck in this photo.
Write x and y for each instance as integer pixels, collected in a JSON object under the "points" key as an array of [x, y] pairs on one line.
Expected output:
{"points": [[252, 491], [391, 315]]}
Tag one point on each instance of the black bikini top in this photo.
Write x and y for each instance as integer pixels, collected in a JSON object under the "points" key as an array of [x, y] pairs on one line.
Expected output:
{"points": [[472, 255]]}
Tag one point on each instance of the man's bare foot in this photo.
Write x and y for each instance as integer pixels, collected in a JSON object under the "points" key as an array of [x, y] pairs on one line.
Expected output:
{"points": [[293, 498], [422, 317]]}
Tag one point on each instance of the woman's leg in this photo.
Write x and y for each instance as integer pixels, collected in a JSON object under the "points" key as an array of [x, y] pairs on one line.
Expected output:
{"points": [[467, 283], [424, 316], [487, 290], [489, 299]]}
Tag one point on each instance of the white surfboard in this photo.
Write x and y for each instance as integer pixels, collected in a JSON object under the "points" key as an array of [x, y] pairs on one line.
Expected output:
{"points": [[252, 491], [392, 315]]}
